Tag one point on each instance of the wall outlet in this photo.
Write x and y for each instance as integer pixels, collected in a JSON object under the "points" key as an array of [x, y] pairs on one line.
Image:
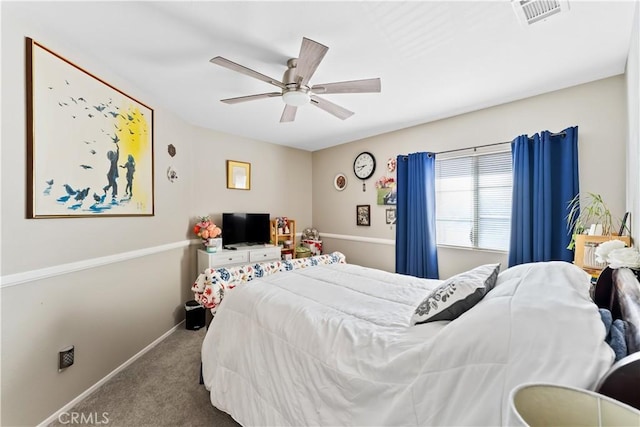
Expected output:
{"points": [[66, 357]]}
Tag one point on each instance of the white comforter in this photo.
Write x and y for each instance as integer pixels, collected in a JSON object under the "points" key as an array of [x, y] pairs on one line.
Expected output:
{"points": [[332, 345]]}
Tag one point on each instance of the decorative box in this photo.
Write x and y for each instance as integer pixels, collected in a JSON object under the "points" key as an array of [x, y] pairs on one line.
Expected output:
{"points": [[315, 246]]}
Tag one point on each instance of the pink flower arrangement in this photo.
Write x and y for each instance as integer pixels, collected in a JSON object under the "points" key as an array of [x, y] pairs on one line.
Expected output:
{"points": [[385, 182], [205, 229]]}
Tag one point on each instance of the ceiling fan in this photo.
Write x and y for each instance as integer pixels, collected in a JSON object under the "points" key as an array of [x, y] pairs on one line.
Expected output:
{"points": [[295, 89]]}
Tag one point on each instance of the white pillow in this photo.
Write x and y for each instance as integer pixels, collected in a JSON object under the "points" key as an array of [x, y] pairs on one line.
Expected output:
{"points": [[456, 295]]}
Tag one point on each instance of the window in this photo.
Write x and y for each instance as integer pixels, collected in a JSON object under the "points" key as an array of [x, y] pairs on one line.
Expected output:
{"points": [[473, 201]]}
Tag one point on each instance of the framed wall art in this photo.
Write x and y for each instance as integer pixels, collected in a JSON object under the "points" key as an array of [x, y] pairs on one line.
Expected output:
{"points": [[386, 191], [340, 182], [238, 175], [390, 216], [363, 215], [89, 145]]}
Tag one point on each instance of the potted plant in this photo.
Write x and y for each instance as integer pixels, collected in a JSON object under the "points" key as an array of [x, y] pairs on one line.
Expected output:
{"points": [[590, 209]]}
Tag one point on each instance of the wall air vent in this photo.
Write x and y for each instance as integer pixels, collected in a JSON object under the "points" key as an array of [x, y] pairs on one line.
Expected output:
{"points": [[532, 11]]}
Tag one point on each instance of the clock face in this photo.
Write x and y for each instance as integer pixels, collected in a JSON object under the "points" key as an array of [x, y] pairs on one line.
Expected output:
{"points": [[364, 165]]}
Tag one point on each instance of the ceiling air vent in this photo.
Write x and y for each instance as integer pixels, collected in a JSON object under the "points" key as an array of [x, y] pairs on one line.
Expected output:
{"points": [[532, 11]]}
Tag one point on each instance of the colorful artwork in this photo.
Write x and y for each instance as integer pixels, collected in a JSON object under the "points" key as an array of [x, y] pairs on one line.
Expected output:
{"points": [[386, 191], [89, 145]]}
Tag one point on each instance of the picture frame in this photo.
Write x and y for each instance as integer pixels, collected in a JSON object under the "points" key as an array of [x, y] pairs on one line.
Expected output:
{"points": [[386, 196], [89, 144], [340, 182], [363, 215], [238, 175], [390, 216]]}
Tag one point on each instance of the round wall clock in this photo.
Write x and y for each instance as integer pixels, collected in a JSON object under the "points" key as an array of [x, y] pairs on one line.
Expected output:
{"points": [[364, 165], [340, 182]]}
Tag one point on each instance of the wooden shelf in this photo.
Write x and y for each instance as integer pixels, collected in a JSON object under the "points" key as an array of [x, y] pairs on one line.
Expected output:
{"points": [[278, 237], [586, 244]]}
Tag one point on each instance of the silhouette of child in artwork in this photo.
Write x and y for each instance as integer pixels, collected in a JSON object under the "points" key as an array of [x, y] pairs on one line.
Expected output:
{"points": [[112, 174], [130, 166]]}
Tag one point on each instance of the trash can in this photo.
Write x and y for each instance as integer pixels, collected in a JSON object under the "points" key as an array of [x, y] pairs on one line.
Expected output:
{"points": [[194, 315]]}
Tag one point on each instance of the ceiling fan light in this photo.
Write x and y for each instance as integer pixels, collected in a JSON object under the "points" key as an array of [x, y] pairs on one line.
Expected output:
{"points": [[295, 98]]}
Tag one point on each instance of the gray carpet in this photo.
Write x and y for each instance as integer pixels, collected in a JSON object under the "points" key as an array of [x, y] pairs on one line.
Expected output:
{"points": [[159, 389]]}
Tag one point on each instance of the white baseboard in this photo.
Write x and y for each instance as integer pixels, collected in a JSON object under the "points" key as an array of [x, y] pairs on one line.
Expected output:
{"points": [[94, 387]]}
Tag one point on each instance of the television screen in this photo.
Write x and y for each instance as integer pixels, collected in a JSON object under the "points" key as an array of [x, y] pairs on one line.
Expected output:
{"points": [[247, 228]]}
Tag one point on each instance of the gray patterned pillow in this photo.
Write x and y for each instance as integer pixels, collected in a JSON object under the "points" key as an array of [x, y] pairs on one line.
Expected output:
{"points": [[456, 295]]}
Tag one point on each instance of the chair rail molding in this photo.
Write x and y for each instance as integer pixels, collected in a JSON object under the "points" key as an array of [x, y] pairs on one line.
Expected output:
{"points": [[58, 270], [362, 239]]}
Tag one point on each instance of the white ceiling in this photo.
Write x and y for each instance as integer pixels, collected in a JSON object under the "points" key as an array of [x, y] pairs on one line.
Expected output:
{"points": [[436, 59]]}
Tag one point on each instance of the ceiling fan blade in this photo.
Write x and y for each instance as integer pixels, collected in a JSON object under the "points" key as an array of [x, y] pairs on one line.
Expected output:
{"points": [[311, 53], [289, 113], [223, 62], [330, 107], [240, 99], [353, 86]]}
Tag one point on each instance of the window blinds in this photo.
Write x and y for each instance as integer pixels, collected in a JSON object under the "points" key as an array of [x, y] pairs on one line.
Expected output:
{"points": [[473, 201]]}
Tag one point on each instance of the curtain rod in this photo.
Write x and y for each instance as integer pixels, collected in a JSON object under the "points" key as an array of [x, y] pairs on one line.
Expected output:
{"points": [[473, 148], [489, 145]]}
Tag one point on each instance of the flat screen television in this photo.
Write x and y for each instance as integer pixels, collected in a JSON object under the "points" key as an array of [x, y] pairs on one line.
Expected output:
{"points": [[245, 228]]}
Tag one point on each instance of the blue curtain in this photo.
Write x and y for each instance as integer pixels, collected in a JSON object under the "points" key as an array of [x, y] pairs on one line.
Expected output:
{"points": [[416, 252], [545, 179]]}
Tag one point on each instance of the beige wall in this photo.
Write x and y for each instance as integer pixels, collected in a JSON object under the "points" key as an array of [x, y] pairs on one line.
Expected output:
{"points": [[134, 273], [598, 108], [633, 144]]}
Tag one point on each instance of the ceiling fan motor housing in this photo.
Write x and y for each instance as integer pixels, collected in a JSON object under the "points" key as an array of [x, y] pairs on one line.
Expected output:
{"points": [[294, 94], [290, 76]]}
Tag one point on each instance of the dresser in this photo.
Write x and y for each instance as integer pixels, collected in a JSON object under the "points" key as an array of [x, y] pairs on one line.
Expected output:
{"points": [[242, 255]]}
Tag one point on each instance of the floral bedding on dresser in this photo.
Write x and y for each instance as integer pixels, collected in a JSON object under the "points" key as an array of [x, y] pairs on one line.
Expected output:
{"points": [[211, 285]]}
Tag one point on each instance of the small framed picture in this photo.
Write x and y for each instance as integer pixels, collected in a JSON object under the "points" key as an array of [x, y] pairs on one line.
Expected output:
{"points": [[340, 182], [363, 215], [390, 216], [238, 175]]}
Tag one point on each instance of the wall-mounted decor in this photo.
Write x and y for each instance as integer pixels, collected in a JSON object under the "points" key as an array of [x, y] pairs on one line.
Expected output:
{"points": [[391, 164], [364, 166], [386, 191], [172, 175], [89, 145], [238, 175], [363, 215], [340, 182], [390, 216]]}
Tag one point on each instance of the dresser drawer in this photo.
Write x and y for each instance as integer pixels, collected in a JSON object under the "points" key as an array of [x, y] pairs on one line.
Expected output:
{"points": [[228, 257], [264, 255], [221, 259]]}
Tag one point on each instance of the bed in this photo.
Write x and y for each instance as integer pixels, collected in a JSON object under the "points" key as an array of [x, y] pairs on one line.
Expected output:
{"points": [[331, 343]]}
